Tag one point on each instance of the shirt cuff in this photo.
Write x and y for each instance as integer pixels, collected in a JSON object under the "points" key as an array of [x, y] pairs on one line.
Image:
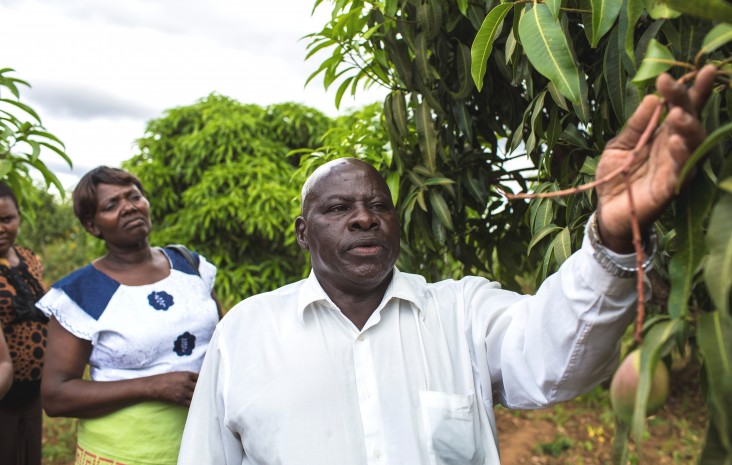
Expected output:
{"points": [[599, 278]]}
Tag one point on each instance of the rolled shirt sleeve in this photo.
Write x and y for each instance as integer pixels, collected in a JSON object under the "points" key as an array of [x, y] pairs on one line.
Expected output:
{"points": [[540, 350]]}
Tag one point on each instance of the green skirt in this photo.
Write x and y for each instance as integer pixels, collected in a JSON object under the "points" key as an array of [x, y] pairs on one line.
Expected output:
{"points": [[143, 434]]}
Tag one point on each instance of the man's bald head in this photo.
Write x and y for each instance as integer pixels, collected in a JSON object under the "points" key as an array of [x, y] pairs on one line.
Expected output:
{"points": [[322, 172]]}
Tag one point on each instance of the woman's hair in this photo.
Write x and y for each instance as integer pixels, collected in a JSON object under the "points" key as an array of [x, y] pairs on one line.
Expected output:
{"points": [[85, 193], [6, 191]]}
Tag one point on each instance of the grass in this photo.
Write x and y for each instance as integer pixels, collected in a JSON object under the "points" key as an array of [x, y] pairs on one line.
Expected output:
{"points": [[59, 441]]}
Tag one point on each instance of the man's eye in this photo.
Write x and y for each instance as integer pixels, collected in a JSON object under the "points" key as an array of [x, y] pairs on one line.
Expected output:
{"points": [[338, 208]]}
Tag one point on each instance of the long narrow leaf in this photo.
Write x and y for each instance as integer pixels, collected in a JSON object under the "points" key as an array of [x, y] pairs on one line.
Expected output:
{"points": [[709, 143], [655, 345], [714, 332], [614, 75], [717, 10], [562, 245], [483, 42], [718, 268], [547, 49], [720, 35], [555, 6], [658, 59], [604, 14], [690, 213], [427, 136]]}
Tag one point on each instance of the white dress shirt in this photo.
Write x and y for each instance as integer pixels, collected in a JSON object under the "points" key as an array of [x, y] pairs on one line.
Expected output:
{"points": [[289, 380]]}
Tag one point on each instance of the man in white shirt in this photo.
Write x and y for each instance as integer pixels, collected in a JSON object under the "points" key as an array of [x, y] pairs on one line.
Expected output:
{"points": [[363, 364]]}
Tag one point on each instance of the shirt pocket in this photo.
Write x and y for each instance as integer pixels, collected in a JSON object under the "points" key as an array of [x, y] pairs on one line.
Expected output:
{"points": [[452, 429]]}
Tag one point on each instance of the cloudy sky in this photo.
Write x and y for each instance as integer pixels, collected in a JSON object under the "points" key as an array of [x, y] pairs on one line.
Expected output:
{"points": [[101, 69]]}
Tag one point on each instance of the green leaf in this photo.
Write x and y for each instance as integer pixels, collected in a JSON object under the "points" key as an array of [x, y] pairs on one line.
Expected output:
{"points": [[720, 35], [691, 210], [658, 60], [439, 206], [614, 75], [6, 166], [709, 143], [392, 180], [427, 136], [23, 107], [463, 71], [659, 340], [546, 47], [658, 9], [604, 14], [542, 213], [589, 166], [483, 42], [555, 6], [390, 7], [714, 333], [726, 185], [429, 17], [341, 89], [541, 234], [562, 246], [633, 14], [718, 267], [463, 6], [716, 10]]}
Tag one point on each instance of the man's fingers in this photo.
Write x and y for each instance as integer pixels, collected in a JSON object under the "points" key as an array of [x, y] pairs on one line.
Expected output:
{"points": [[690, 128], [691, 99], [702, 88], [637, 123]]}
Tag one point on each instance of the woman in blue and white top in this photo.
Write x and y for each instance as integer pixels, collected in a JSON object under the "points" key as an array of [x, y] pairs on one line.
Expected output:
{"points": [[141, 317]]}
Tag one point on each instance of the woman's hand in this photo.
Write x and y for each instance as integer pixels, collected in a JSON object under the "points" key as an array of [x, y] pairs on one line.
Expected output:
{"points": [[176, 387]]}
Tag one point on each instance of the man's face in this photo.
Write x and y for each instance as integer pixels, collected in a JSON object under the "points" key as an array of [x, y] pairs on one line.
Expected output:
{"points": [[350, 227]]}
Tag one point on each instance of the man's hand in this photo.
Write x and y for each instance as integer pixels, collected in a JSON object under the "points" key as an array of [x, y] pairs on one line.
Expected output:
{"points": [[659, 161]]}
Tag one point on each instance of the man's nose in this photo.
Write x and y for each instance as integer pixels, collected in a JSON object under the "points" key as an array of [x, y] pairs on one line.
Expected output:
{"points": [[363, 218]]}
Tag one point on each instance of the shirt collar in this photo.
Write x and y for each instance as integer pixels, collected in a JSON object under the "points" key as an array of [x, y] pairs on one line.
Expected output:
{"points": [[401, 287]]}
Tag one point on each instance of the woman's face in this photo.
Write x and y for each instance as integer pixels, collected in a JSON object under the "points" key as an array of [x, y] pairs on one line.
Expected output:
{"points": [[123, 214], [9, 222]]}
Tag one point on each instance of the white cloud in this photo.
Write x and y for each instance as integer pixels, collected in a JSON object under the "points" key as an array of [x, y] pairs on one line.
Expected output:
{"points": [[101, 69]]}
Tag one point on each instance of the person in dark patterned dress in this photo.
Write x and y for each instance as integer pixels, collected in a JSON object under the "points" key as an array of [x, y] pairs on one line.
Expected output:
{"points": [[24, 329]]}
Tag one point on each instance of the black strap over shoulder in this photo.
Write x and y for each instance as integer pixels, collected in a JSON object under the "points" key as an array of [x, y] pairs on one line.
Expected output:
{"points": [[187, 254]]}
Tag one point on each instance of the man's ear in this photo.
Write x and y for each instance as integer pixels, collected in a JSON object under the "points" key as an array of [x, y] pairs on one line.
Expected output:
{"points": [[301, 233], [91, 228]]}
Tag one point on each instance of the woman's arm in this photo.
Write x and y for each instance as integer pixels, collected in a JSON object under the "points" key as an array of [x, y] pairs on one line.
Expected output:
{"points": [[65, 393], [6, 367]]}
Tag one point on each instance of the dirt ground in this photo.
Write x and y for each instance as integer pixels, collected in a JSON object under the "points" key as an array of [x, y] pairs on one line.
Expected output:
{"points": [[581, 432]]}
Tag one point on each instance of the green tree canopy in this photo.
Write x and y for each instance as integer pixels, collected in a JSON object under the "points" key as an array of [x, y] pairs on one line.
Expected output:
{"points": [[219, 180]]}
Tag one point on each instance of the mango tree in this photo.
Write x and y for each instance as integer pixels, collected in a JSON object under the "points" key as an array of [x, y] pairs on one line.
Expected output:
{"points": [[488, 98]]}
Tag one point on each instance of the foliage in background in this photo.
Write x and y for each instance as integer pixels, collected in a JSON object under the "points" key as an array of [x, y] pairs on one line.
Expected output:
{"points": [[477, 86], [22, 141], [57, 237], [219, 180]]}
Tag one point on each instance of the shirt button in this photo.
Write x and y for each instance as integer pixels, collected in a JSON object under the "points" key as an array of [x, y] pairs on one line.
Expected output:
{"points": [[360, 337], [377, 454]]}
